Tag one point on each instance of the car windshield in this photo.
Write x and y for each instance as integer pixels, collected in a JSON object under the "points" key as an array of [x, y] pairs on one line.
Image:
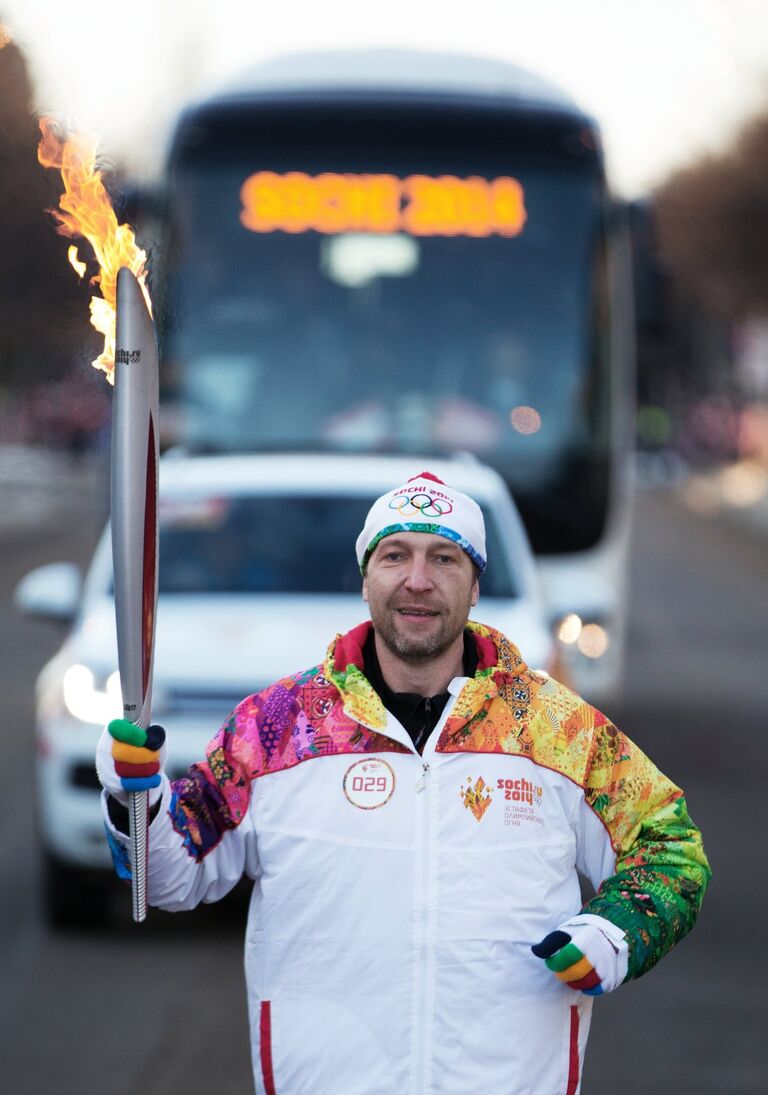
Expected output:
{"points": [[272, 544]]}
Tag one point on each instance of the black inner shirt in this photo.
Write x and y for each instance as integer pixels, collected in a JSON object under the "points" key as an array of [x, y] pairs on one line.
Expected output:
{"points": [[418, 714]]}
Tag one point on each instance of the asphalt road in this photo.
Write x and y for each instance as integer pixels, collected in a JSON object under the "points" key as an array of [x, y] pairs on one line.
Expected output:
{"points": [[159, 1009]]}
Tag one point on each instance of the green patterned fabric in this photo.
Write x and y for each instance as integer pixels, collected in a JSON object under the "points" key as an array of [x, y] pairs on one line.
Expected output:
{"points": [[658, 886]]}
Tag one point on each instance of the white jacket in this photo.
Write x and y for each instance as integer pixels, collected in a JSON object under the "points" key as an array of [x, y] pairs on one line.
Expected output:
{"points": [[396, 896]]}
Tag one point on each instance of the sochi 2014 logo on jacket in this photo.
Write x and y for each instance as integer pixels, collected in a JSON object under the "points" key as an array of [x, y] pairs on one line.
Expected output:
{"points": [[522, 800], [369, 784]]}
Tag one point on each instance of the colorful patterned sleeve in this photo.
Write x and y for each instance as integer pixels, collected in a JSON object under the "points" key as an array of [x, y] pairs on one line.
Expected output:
{"points": [[661, 871], [213, 796], [265, 732]]}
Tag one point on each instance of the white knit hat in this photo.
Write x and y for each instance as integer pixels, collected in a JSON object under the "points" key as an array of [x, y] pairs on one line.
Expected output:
{"points": [[425, 504]]}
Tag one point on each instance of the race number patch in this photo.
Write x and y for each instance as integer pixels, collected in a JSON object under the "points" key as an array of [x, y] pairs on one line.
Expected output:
{"points": [[369, 783]]}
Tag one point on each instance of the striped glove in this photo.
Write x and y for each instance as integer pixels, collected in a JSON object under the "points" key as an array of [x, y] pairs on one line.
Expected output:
{"points": [[130, 759], [587, 953]]}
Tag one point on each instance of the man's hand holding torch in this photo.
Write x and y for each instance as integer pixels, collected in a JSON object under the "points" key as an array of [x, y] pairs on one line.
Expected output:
{"points": [[130, 760]]}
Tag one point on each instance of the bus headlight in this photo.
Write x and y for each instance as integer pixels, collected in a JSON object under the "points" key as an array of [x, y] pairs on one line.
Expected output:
{"points": [[87, 702]]}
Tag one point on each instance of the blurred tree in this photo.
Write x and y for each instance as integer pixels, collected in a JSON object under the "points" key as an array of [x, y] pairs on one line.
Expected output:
{"points": [[44, 330], [712, 223], [704, 238]]}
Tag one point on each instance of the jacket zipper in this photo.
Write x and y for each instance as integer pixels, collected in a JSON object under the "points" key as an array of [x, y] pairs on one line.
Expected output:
{"points": [[422, 995], [421, 1078], [425, 730]]}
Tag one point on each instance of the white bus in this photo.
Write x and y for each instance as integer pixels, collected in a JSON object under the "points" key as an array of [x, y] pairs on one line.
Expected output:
{"points": [[401, 252]]}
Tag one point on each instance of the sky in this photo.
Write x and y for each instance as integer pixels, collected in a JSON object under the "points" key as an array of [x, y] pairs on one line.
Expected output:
{"points": [[667, 80]]}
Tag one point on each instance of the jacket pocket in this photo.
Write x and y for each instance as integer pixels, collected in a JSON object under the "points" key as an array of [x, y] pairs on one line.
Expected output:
{"points": [[265, 1047]]}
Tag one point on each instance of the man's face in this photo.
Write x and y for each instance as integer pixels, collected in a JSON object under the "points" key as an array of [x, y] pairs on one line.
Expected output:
{"points": [[419, 588]]}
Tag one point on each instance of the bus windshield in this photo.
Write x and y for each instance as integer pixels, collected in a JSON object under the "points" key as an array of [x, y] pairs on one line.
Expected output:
{"points": [[430, 340]]}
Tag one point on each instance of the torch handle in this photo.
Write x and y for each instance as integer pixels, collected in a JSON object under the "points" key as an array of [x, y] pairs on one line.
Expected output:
{"points": [[138, 807]]}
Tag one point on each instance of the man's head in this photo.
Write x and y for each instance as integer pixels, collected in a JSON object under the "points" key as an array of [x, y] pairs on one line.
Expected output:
{"points": [[421, 553]]}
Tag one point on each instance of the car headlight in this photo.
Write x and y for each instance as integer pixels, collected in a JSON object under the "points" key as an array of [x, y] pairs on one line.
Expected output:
{"points": [[88, 703], [590, 639]]}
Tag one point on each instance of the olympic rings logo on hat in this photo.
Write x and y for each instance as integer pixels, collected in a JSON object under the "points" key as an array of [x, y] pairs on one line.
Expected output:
{"points": [[424, 504]]}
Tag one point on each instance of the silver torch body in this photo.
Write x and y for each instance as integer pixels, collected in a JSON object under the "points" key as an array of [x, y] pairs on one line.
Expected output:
{"points": [[134, 474]]}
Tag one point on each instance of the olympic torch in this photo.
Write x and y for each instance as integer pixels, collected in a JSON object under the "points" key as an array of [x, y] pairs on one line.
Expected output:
{"points": [[134, 535]]}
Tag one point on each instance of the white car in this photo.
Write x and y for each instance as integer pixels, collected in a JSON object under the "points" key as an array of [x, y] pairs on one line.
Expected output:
{"points": [[257, 574]]}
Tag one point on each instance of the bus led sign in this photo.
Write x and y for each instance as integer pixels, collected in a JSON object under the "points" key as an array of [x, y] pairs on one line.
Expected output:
{"points": [[420, 205]]}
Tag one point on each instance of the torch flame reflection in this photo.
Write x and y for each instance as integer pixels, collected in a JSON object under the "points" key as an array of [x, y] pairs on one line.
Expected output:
{"points": [[85, 210]]}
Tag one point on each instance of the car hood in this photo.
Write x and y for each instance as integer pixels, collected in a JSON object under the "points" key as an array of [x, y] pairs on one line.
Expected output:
{"points": [[243, 643]]}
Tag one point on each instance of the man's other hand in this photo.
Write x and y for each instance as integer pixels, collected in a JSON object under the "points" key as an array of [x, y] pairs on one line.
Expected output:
{"points": [[587, 953]]}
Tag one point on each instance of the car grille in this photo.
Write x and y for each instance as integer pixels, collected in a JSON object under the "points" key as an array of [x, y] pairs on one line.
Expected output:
{"points": [[83, 776], [199, 701]]}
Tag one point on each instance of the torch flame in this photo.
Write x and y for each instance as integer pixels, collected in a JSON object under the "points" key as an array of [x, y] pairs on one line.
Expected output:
{"points": [[78, 266], [85, 210]]}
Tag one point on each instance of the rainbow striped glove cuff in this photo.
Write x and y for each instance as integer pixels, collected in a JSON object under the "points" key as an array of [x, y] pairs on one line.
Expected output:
{"points": [[587, 953], [129, 758]]}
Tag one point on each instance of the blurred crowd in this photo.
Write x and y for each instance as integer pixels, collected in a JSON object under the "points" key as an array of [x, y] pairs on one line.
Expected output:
{"points": [[70, 415]]}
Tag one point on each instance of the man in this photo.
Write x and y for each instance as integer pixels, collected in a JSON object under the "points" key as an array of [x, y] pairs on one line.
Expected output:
{"points": [[413, 813]]}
